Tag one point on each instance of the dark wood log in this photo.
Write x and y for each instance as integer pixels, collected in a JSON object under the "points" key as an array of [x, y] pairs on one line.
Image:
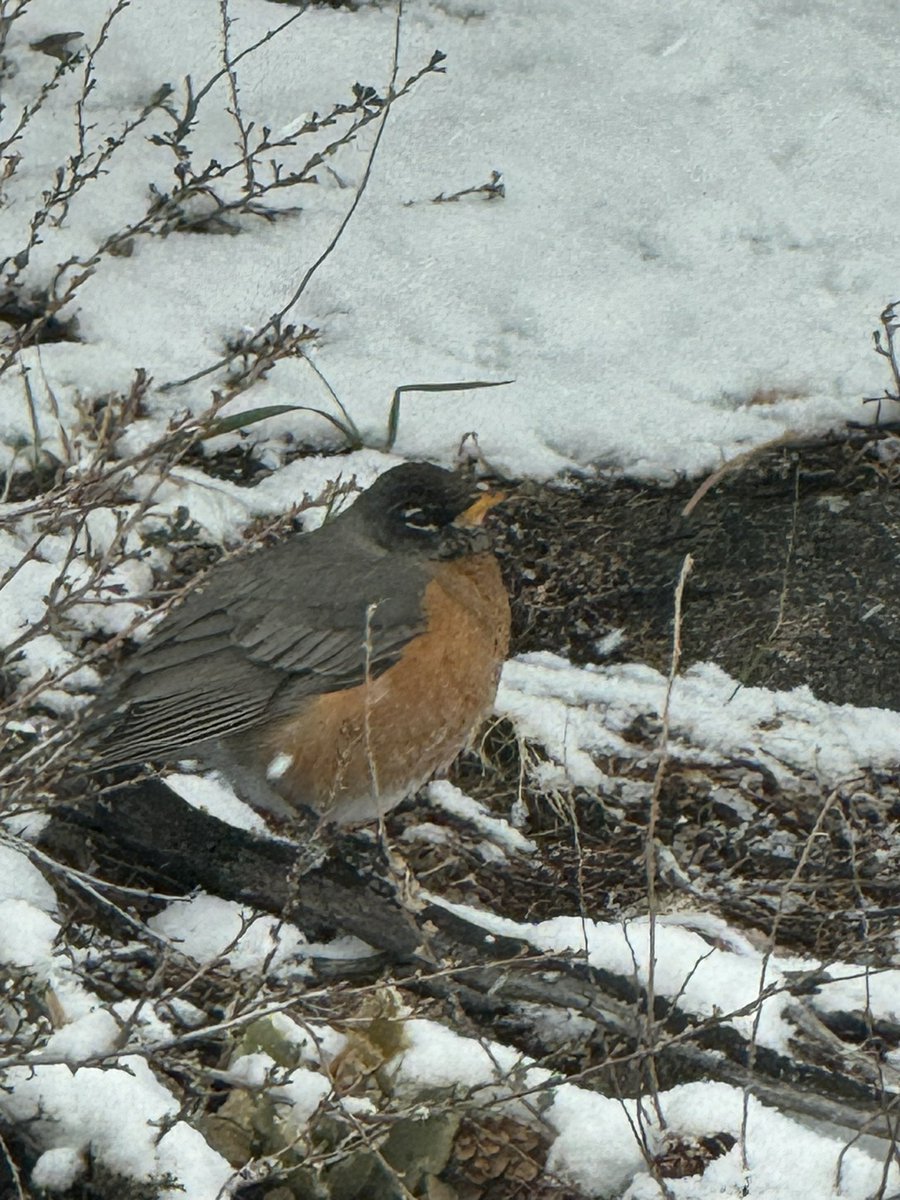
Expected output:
{"points": [[149, 831]]}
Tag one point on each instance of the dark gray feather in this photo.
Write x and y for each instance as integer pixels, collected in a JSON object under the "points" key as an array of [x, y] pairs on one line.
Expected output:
{"points": [[310, 615]]}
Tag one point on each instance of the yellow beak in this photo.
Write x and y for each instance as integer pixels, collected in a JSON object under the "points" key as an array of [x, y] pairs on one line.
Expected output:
{"points": [[475, 513]]}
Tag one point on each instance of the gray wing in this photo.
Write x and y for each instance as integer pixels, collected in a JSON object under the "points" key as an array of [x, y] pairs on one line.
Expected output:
{"points": [[311, 615]]}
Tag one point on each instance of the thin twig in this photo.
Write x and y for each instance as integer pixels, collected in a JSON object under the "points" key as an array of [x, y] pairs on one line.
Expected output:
{"points": [[243, 143], [650, 848], [771, 940], [14, 1172], [393, 94]]}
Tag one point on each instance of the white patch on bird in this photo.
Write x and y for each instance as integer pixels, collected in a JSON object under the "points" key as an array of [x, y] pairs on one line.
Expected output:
{"points": [[279, 765], [416, 518]]}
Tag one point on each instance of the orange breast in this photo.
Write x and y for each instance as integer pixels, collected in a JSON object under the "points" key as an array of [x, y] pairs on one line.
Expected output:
{"points": [[354, 754]]}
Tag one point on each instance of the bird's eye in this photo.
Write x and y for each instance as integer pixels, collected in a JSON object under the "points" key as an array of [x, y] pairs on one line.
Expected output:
{"points": [[418, 518]]}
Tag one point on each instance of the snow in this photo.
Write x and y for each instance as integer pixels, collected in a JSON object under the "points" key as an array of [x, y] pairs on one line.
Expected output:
{"points": [[427, 831], [304, 1090], [91, 1036], [596, 1147], [688, 262], [442, 794], [608, 1155], [21, 881], [27, 935], [199, 1171], [318, 1043], [112, 1112], [780, 1151], [251, 1070], [436, 1057], [667, 175], [852, 989], [722, 981], [213, 794], [208, 928], [56, 1170], [301, 1088], [577, 712]]}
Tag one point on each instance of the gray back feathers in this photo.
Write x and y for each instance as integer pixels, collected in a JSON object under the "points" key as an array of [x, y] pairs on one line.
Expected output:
{"points": [[310, 615]]}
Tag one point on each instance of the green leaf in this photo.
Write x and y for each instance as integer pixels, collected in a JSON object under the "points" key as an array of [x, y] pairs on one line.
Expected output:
{"points": [[253, 415], [467, 386]]}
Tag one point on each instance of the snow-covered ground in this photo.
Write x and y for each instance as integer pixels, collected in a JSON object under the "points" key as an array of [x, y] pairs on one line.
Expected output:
{"points": [[699, 211], [691, 252]]}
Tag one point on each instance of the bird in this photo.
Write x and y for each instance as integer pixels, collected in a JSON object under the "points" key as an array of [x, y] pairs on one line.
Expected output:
{"points": [[334, 673]]}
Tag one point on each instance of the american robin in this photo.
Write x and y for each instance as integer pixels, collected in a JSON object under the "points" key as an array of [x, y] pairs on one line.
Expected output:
{"points": [[334, 672]]}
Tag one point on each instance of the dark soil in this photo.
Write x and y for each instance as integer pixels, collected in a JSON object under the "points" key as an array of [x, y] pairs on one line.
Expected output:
{"points": [[794, 578]]}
